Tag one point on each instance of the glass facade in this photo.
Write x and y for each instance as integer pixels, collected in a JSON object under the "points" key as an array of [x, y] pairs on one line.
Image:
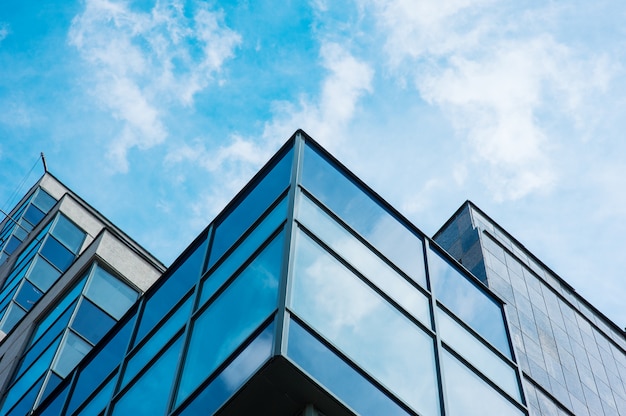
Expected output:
{"points": [[309, 280]]}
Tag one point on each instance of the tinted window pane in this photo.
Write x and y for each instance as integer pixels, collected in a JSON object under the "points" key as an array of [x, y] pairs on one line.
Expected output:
{"points": [[110, 293], [91, 322], [33, 214], [232, 317], [54, 407], [233, 376], [149, 395], [59, 309], [25, 404], [69, 234], [250, 207], [176, 285], [12, 244], [363, 214], [100, 400], [43, 274], [72, 350], [463, 387], [351, 315], [51, 337], [337, 376], [44, 201], [51, 383], [12, 315], [477, 354], [468, 302], [243, 251], [363, 259], [57, 254], [27, 295]]}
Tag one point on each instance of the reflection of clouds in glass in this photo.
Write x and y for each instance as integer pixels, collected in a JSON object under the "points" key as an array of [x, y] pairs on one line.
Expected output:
{"points": [[369, 330], [463, 388], [248, 361], [364, 260]]}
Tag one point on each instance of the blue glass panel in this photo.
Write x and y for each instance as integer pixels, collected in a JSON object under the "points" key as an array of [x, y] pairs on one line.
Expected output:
{"points": [[11, 317], [363, 214], [370, 331], [12, 244], [7, 297], [32, 246], [233, 376], [149, 394], [25, 404], [51, 383], [25, 226], [337, 376], [101, 365], [243, 251], [51, 337], [99, 401], [33, 214], [232, 317], [54, 407], [157, 341], [464, 387], [91, 322], [43, 200], [248, 209], [60, 308], [72, 350], [110, 293], [67, 233], [28, 295], [177, 284], [470, 303], [43, 274], [20, 231], [363, 259], [57, 254]]}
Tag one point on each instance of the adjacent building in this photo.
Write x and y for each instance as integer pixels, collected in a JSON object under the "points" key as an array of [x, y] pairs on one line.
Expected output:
{"points": [[310, 295]]}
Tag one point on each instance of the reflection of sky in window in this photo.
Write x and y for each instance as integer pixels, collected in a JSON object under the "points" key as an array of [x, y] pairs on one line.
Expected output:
{"points": [[468, 302], [364, 326], [363, 259], [363, 214]]}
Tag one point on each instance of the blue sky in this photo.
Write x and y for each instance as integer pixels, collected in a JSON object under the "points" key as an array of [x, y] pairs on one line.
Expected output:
{"points": [[158, 113]]}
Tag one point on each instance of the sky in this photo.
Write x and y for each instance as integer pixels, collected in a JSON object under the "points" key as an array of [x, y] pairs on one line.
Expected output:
{"points": [[157, 113]]}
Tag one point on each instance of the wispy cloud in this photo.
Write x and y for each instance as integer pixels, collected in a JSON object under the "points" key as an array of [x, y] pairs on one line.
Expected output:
{"points": [[142, 63], [4, 30]]}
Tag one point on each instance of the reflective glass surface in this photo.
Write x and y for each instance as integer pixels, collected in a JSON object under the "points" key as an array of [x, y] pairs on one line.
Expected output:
{"points": [[58, 310], [43, 200], [363, 214], [229, 380], [91, 322], [43, 274], [363, 259], [337, 376], [12, 315], [477, 354], [57, 254], [33, 214], [149, 394], [468, 395], [110, 293], [72, 350], [12, 244], [250, 208], [470, 303], [99, 401], [69, 234], [27, 295], [232, 317], [364, 326], [25, 404]]}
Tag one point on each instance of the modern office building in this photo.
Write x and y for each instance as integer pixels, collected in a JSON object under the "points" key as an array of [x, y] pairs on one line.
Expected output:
{"points": [[310, 295], [67, 275]]}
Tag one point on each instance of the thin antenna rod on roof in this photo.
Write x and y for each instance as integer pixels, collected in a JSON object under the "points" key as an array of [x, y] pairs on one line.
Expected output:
{"points": [[45, 166]]}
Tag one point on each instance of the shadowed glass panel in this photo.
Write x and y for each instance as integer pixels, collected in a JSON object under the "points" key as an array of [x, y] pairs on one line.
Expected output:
{"points": [[12, 244], [57, 254], [149, 394], [233, 376], [468, 395], [99, 401], [53, 408], [477, 354], [363, 214], [250, 207], [363, 259], [43, 274], [59, 309], [43, 200], [337, 375], [232, 317], [91, 322], [33, 214], [69, 234], [28, 295], [110, 293], [470, 303], [364, 326]]}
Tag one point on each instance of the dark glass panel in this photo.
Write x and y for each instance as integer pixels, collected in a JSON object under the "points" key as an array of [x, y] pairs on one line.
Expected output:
{"points": [[67, 233], [166, 296], [250, 207], [233, 376], [33, 214], [91, 322], [99, 401], [52, 382], [28, 295], [337, 376], [32, 246], [57, 254], [363, 214], [12, 244], [245, 249], [101, 365], [232, 317], [149, 394], [60, 308], [468, 395], [43, 274], [351, 315], [43, 200], [469, 302], [25, 404], [110, 293], [53, 336], [54, 407]]}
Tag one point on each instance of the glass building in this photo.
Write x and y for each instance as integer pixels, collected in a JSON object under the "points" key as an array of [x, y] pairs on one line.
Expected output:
{"points": [[307, 295]]}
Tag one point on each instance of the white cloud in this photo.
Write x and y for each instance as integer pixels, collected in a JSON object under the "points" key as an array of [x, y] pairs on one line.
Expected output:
{"points": [[4, 31], [144, 62]]}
